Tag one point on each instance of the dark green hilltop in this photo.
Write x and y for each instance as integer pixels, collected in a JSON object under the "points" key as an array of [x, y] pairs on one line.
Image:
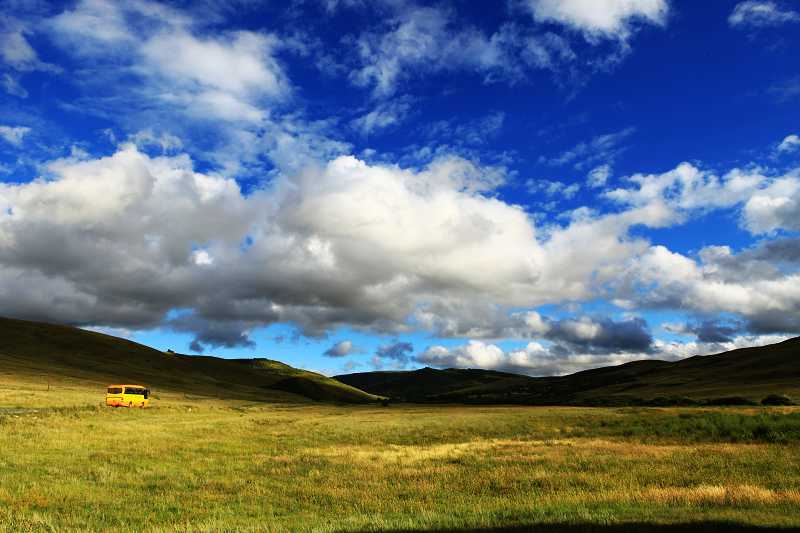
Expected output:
{"points": [[48, 352], [741, 376]]}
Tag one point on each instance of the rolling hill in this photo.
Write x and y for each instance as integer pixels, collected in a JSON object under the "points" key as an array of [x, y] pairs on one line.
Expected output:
{"points": [[750, 373], [35, 351]]}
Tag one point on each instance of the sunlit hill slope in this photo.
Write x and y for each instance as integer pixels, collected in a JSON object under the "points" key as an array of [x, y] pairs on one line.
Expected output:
{"points": [[47, 353]]}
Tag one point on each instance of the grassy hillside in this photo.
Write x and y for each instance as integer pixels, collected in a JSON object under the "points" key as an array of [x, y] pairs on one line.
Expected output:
{"points": [[751, 373], [419, 384], [45, 353]]}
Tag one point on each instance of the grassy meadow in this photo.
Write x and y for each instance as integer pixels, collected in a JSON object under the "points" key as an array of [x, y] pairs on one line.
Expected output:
{"points": [[201, 464]]}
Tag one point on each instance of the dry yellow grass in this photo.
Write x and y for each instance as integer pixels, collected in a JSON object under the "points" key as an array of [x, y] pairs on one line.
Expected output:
{"points": [[213, 465]]}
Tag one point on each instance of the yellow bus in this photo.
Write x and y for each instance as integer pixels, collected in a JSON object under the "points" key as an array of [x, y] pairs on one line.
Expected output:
{"points": [[127, 396]]}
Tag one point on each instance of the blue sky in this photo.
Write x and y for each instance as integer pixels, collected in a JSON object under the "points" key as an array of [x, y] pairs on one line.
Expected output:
{"points": [[540, 186]]}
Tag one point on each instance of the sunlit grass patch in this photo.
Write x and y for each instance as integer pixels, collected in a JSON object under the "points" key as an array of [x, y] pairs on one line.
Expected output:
{"points": [[721, 495]]}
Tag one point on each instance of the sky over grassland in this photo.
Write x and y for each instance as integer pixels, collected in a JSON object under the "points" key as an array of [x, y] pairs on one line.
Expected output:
{"points": [[540, 186]]}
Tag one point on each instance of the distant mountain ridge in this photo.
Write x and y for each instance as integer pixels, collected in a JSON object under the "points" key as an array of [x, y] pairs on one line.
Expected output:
{"points": [[40, 351], [749, 373]]}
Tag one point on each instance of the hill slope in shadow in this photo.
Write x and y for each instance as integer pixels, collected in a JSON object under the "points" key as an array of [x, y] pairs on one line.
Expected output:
{"points": [[39, 351], [750, 373]]}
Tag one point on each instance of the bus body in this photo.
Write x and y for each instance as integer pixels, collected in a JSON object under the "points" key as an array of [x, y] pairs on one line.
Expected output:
{"points": [[127, 396]]}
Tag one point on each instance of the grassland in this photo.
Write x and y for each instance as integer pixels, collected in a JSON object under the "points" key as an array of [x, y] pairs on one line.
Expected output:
{"points": [[205, 464]]}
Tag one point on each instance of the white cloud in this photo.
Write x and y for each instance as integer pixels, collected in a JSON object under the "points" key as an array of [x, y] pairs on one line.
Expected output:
{"points": [[774, 207], [223, 93], [601, 18], [202, 257], [688, 187], [533, 359], [720, 282], [417, 41], [342, 349], [166, 142], [536, 359], [230, 76], [602, 148], [12, 86], [14, 134], [17, 54], [768, 203], [225, 75], [672, 350], [474, 354], [553, 188], [374, 247], [758, 13], [383, 116], [118, 241], [789, 144], [424, 39], [598, 176], [15, 50]]}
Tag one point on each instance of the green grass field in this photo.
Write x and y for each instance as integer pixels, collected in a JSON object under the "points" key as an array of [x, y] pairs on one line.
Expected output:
{"points": [[203, 464]]}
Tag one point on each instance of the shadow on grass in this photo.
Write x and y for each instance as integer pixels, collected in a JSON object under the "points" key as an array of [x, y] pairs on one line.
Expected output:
{"points": [[599, 528]]}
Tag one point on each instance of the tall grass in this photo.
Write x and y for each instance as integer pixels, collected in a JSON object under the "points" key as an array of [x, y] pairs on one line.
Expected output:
{"points": [[704, 426]]}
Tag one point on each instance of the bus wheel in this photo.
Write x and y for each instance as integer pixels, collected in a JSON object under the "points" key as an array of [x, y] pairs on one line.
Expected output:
{"points": [[130, 404]]}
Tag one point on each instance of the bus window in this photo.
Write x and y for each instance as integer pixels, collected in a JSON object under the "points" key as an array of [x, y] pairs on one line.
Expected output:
{"points": [[146, 393], [134, 390], [115, 390]]}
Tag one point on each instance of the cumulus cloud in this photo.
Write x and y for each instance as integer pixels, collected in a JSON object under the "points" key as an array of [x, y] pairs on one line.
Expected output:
{"points": [[117, 241], [399, 352], [533, 359], [673, 350], [707, 331], [746, 285], [769, 203], [536, 359], [776, 206], [121, 240], [213, 333], [474, 354], [604, 335], [601, 18], [758, 13], [342, 349]]}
